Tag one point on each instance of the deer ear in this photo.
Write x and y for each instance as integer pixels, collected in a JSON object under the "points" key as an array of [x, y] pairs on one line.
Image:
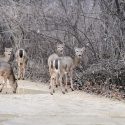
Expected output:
{"points": [[57, 44], [75, 48], [83, 48], [63, 44]]}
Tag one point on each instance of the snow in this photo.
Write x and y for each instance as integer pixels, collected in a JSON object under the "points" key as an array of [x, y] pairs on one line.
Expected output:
{"points": [[73, 108]]}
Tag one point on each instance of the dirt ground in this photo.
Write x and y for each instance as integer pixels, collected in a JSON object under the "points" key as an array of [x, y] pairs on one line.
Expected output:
{"points": [[33, 105]]}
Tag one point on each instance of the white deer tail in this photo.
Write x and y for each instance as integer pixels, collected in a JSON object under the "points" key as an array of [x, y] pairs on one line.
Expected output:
{"points": [[55, 65]]}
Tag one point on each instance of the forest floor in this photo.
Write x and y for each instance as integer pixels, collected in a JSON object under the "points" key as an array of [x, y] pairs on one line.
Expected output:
{"points": [[34, 105]]}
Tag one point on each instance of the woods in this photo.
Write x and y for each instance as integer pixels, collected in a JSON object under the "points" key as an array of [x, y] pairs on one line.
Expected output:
{"points": [[99, 25]]}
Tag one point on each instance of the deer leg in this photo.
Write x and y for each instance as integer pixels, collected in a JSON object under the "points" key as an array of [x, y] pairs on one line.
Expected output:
{"points": [[71, 81], [23, 72], [57, 80], [2, 86], [50, 78], [6, 87], [5, 82], [52, 86], [1, 83], [5, 79], [66, 87], [22, 77], [19, 71], [61, 85], [14, 86]]}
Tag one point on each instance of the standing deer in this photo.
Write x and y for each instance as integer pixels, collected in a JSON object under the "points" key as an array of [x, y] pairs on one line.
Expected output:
{"points": [[6, 72], [21, 59], [55, 71], [60, 52], [65, 67]]}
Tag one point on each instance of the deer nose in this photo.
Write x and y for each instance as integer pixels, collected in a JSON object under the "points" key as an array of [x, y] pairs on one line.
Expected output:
{"points": [[61, 51]]}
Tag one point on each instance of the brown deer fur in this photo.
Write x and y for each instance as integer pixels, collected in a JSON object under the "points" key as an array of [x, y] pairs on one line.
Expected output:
{"points": [[6, 72], [21, 59], [54, 56], [67, 64]]}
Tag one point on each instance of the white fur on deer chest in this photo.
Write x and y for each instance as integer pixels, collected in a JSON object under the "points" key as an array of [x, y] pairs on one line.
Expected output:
{"points": [[21, 60]]}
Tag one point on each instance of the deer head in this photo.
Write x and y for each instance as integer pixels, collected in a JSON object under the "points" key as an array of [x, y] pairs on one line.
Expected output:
{"points": [[60, 49], [79, 52]]}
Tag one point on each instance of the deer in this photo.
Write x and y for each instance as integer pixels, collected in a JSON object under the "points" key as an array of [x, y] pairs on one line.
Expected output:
{"points": [[7, 73], [64, 66], [21, 59], [8, 55], [55, 71], [60, 52]]}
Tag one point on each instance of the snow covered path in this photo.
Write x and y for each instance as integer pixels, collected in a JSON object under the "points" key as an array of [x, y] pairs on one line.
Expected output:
{"points": [[37, 107]]}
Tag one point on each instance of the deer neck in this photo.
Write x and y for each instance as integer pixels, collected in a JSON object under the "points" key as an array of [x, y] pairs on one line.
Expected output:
{"points": [[60, 55], [6, 58], [76, 61]]}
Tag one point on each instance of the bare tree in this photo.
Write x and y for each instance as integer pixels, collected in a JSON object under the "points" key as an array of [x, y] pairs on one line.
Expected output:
{"points": [[36, 26]]}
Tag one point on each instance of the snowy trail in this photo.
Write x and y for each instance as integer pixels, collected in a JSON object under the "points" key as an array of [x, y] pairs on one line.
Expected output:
{"points": [[38, 107]]}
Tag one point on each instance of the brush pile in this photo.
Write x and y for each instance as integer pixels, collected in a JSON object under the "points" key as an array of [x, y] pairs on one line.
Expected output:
{"points": [[106, 78]]}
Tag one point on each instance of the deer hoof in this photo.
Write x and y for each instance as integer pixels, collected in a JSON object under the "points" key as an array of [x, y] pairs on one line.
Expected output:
{"points": [[56, 86], [51, 93], [18, 78], [63, 92], [6, 92], [72, 89], [22, 78], [66, 90], [0, 90], [14, 92]]}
